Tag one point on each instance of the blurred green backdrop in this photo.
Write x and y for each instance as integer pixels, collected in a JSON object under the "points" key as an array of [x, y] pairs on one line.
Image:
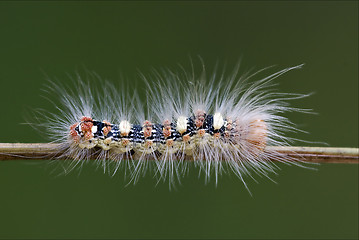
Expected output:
{"points": [[117, 39]]}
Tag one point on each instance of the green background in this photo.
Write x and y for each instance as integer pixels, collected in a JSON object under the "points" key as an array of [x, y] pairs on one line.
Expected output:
{"points": [[117, 39]]}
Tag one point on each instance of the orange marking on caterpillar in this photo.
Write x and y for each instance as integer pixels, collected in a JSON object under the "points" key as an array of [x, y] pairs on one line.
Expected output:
{"points": [[169, 142], [107, 128], [199, 118], [186, 138], [72, 130], [86, 124], [88, 135], [201, 132], [166, 128], [229, 124], [125, 142], [217, 135], [73, 133], [147, 129]]}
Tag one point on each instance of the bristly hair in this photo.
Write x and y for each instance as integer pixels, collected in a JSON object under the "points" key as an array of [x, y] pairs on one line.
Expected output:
{"points": [[221, 122]]}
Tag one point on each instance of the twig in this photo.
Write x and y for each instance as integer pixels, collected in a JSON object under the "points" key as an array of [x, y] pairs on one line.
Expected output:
{"points": [[45, 151]]}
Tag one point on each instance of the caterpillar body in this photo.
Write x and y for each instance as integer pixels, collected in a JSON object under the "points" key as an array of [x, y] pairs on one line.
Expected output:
{"points": [[218, 123]]}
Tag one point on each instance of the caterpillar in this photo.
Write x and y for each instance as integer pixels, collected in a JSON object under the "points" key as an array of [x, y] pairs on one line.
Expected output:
{"points": [[216, 122]]}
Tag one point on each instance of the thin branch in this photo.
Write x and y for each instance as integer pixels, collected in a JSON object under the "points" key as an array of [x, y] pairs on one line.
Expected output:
{"points": [[46, 151]]}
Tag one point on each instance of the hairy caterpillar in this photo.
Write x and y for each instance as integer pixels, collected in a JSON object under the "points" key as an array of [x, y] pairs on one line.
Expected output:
{"points": [[219, 122]]}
